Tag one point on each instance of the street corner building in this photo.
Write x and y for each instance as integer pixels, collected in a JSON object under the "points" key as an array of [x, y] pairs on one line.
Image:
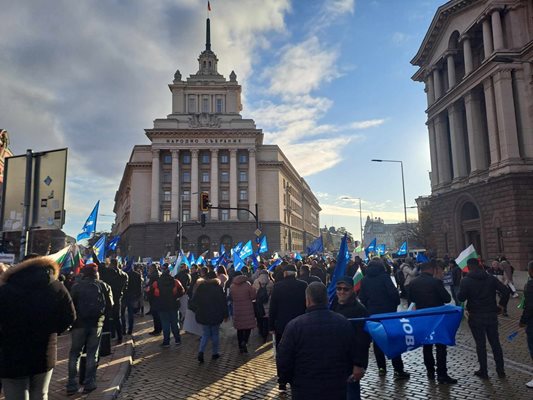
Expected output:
{"points": [[476, 62], [205, 145]]}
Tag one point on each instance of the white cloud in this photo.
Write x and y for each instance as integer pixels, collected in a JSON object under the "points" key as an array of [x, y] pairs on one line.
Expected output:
{"points": [[329, 12], [389, 217]]}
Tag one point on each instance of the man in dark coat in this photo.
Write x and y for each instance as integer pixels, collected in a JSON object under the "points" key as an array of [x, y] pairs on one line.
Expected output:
{"points": [[133, 295], [345, 303], [526, 320], [286, 302], [426, 291], [316, 371], [479, 290], [35, 307], [379, 295]]}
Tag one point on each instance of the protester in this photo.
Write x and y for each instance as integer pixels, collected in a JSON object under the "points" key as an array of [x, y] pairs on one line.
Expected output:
{"points": [[93, 300], [153, 276], [427, 291], [526, 320], [508, 272], [133, 296], [379, 295], [222, 276], [316, 371], [165, 292], [264, 286], [457, 275], [346, 303], [184, 276], [209, 304], [286, 302], [35, 308], [305, 275], [118, 281], [409, 272], [242, 296], [479, 290]]}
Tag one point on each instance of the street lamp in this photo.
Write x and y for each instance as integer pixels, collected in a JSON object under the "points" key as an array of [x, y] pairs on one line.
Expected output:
{"points": [[404, 203], [360, 214]]}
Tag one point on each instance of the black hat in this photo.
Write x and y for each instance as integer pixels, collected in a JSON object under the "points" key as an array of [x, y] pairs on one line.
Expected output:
{"points": [[347, 280], [289, 268]]}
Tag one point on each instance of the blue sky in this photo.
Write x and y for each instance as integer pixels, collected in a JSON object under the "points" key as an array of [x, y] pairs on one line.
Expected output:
{"points": [[327, 80]]}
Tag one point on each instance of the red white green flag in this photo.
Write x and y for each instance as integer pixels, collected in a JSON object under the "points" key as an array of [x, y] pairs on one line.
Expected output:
{"points": [[357, 278]]}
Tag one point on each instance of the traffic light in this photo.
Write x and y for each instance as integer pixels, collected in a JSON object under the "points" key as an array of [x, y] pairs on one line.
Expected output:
{"points": [[202, 220], [204, 201]]}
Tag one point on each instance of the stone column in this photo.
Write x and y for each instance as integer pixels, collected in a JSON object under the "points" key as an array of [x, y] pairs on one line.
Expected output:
{"points": [[497, 32], [154, 209], [506, 115], [457, 134], [430, 89], [437, 86], [492, 123], [195, 195], [477, 140], [433, 155], [233, 183], [175, 189], [213, 196], [443, 145], [524, 95], [488, 48], [252, 180], [451, 69], [467, 51]]}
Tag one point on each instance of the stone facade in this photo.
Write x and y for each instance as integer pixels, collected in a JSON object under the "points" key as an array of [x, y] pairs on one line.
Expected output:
{"points": [[476, 62], [205, 145]]}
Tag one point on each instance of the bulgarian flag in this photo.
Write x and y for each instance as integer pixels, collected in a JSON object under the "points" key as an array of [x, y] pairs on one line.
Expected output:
{"points": [[61, 256], [357, 278], [466, 254]]}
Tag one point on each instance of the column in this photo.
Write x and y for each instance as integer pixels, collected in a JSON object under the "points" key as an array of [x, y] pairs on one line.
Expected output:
{"points": [[252, 180], [457, 134], [233, 183], [497, 32], [437, 87], [477, 141], [433, 155], [175, 189], [213, 196], [523, 98], [154, 209], [430, 89], [506, 115], [451, 69], [443, 145], [492, 123], [467, 51], [195, 196], [487, 38]]}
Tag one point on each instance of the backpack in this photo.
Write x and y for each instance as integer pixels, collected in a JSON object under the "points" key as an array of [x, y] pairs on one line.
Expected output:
{"points": [[91, 302], [262, 295]]}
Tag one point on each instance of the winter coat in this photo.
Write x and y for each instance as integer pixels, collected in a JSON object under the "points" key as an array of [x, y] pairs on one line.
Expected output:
{"points": [[223, 279], [286, 302], [409, 272], [427, 291], [34, 308], [507, 272], [242, 296], [134, 290], [527, 314], [184, 276], [479, 290], [209, 302], [264, 280], [165, 293], [118, 281], [378, 293], [106, 290], [317, 354]]}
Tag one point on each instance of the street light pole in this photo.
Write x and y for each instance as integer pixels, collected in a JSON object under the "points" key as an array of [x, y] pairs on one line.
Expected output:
{"points": [[404, 203], [360, 213]]}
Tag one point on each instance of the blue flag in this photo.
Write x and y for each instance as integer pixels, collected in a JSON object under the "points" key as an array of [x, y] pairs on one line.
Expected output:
{"points": [[316, 246], [200, 260], [183, 259], [403, 249], [421, 258], [255, 262], [99, 248], [192, 259], [222, 250], [263, 245], [237, 248], [371, 247], [129, 264], [112, 245], [380, 249], [275, 264], [396, 333], [238, 263], [90, 225], [214, 261], [297, 256], [340, 268], [247, 250]]}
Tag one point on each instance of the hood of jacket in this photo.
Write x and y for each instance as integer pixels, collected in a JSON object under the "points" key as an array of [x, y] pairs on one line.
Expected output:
{"points": [[203, 281], [240, 279], [479, 275], [166, 281], [374, 270], [33, 273]]}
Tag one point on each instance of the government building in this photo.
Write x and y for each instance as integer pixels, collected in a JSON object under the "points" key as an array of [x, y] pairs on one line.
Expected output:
{"points": [[205, 145], [476, 62]]}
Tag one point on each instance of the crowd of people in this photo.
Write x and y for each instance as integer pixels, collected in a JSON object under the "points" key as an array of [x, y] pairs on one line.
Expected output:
{"points": [[288, 302]]}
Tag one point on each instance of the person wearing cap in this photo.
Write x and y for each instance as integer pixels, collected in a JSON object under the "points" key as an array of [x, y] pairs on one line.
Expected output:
{"points": [[346, 303], [286, 303]]}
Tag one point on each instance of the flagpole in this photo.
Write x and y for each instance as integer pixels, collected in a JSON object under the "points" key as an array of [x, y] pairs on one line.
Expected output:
{"points": [[415, 315]]}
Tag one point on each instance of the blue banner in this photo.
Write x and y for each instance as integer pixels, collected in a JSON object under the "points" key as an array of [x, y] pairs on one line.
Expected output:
{"points": [[316, 246], [403, 249], [246, 250], [340, 267], [263, 245]]}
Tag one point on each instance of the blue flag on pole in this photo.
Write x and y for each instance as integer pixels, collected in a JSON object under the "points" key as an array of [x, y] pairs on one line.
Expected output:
{"points": [[380, 249], [255, 262], [246, 250], [316, 246], [275, 264], [90, 225], [421, 258], [297, 256], [99, 248], [222, 250], [192, 259], [112, 245], [238, 263], [403, 249], [129, 264], [263, 245], [237, 248], [340, 267], [371, 248], [184, 260]]}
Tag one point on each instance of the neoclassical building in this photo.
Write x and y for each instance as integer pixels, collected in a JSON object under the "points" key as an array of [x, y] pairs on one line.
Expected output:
{"points": [[476, 63], [205, 145]]}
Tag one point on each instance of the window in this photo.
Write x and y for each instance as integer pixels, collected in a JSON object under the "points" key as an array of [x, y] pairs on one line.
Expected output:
{"points": [[243, 215], [205, 104], [205, 177], [192, 104], [219, 106], [243, 195], [167, 159], [224, 195], [167, 177], [204, 158], [224, 159], [186, 215], [186, 177], [187, 158], [166, 195], [243, 176], [243, 158], [224, 215], [224, 176], [166, 215], [186, 195]]}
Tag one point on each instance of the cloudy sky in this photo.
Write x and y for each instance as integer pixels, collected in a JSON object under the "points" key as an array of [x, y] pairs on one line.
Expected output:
{"points": [[327, 80]]}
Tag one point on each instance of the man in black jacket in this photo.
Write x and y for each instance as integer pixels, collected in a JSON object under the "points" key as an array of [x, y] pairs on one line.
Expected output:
{"points": [[286, 302], [118, 281], [479, 290], [133, 295], [426, 291], [316, 371], [526, 320]]}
